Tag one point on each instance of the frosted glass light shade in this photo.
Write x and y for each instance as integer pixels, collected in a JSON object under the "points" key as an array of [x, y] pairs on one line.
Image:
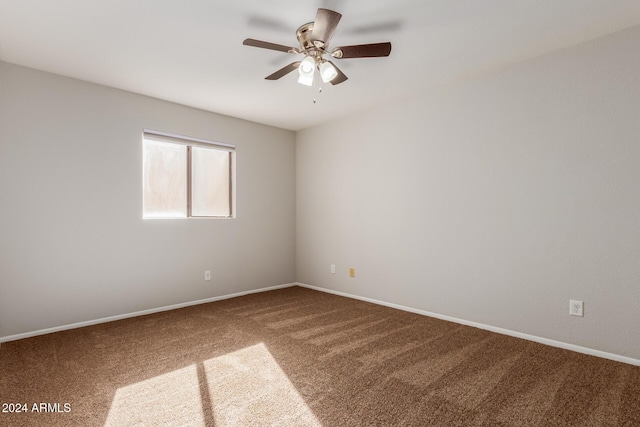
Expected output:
{"points": [[306, 80], [328, 72], [306, 70]]}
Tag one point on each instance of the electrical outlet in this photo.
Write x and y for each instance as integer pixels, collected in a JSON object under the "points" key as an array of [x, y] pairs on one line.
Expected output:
{"points": [[333, 269], [576, 308], [207, 275], [352, 272]]}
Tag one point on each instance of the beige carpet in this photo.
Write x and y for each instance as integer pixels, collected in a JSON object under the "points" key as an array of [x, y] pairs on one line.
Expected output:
{"points": [[297, 357]]}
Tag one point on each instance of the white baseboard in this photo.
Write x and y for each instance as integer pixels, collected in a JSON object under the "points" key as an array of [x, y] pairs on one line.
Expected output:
{"points": [[138, 313], [546, 341]]}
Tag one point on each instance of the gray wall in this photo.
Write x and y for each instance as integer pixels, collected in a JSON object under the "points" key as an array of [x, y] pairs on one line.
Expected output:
{"points": [[495, 201], [73, 244]]}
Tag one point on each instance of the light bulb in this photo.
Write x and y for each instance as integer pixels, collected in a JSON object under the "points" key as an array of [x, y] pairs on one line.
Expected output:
{"points": [[306, 66]]}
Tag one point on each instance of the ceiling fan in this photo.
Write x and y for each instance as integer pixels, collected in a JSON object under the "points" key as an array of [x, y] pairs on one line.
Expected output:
{"points": [[314, 38]]}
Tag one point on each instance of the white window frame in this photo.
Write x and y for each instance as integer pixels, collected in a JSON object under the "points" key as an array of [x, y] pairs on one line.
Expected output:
{"points": [[189, 142]]}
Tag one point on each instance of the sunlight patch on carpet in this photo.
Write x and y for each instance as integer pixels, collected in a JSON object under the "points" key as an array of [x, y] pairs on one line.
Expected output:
{"points": [[248, 388], [243, 388], [170, 399]]}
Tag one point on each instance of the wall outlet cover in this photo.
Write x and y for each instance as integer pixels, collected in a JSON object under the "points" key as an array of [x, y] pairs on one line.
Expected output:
{"points": [[576, 308]]}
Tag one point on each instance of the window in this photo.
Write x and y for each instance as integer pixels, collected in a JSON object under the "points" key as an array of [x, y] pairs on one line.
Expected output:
{"points": [[186, 177]]}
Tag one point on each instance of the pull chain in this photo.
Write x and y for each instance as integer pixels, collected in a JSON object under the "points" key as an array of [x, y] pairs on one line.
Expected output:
{"points": [[319, 92]]}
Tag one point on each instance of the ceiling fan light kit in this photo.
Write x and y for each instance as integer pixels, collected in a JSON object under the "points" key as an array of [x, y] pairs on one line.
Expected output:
{"points": [[314, 38]]}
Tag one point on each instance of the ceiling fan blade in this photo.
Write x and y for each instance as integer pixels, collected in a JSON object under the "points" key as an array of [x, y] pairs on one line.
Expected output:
{"points": [[324, 25], [362, 50], [267, 45], [283, 71], [341, 77]]}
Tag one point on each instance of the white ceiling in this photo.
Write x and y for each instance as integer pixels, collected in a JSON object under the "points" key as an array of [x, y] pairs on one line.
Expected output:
{"points": [[191, 52]]}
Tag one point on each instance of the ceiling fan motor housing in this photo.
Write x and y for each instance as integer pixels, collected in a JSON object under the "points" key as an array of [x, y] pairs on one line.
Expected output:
{"points": [[304, 37]]}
